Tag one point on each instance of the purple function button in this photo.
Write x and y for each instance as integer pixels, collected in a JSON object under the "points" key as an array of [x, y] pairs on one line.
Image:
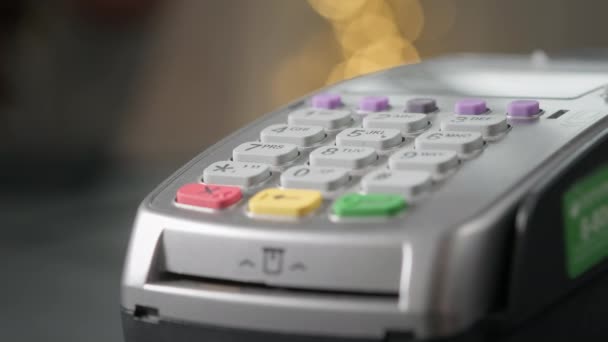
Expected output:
{"points": [[374, 103], [327, 101], [523, 108], [470, 107], [420, 105]]}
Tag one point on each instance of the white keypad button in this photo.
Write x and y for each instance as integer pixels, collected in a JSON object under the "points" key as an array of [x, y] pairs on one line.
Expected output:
{"points": [[310, 177], [406, 183], [405, 122], [459, 142], [343, 157], [487, 125], [297, 135], [236, 173], [433, 161], [273, 154], [326, 118], [378, 138]]}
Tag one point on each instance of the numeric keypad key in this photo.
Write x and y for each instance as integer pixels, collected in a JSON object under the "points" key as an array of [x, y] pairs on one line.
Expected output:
{"points": [[273, 154], [310, 177], [378, 138], [460, 142], [405, 122], [236, 173], [487, 125], [326, 118], [297, 135], [343, 157], [434, 161], [406, 183]]}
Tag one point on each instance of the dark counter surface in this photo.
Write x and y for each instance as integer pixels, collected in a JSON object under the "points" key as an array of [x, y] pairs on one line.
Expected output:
{"points": [[61, 255]]}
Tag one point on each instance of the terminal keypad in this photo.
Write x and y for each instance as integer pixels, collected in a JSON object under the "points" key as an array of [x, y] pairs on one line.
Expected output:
{"points": [[364, 160]]}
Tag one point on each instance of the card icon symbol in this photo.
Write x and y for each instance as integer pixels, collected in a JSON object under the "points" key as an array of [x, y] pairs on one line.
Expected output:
{"points": [[273, 260]]}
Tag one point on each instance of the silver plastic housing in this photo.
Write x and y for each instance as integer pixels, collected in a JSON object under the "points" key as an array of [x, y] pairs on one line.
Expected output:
{"points": [[433, 271]]}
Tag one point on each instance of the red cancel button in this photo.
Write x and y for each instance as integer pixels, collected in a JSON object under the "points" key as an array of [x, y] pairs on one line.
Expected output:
{"points": [[208, 195]]}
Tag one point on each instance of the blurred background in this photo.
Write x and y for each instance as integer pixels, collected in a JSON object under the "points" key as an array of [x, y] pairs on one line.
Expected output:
{"points": [[101, 99]]}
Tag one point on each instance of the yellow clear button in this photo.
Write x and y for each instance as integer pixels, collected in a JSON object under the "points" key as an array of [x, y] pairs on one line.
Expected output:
{"points": [[285, 202]]}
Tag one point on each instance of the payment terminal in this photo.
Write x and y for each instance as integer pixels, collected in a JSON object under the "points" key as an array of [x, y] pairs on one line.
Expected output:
{"points": [[461, 199]]}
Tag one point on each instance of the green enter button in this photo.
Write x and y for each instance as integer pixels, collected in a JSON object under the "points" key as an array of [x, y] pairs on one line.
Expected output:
{"points": [[357, 205]]}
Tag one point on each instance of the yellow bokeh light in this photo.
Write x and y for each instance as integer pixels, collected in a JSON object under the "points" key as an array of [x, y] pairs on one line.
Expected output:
{"points": [[377, 7], [383, 54], [374, 8], [411, 18], [364, 31], [372, 34], [360, 65], [337, 10]]}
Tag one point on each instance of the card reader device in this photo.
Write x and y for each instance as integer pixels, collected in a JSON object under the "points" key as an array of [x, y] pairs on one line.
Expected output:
{"points": [[463, 198]]}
